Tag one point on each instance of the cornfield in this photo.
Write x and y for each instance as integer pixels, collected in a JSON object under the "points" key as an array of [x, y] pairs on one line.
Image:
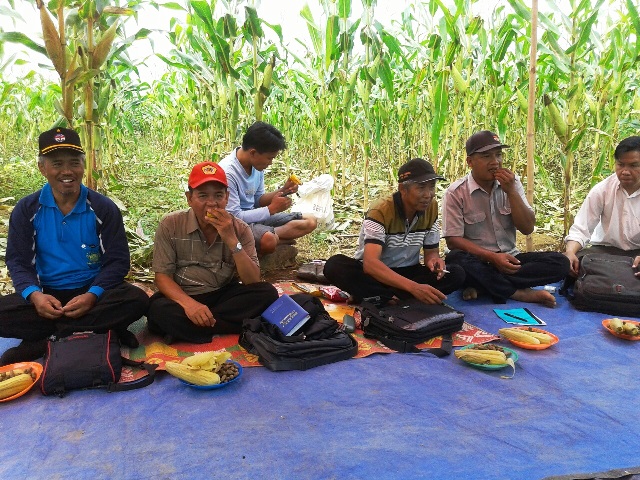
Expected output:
{"points": [[356, 99]]}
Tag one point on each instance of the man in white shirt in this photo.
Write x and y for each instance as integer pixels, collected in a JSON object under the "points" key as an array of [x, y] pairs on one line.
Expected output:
{"points": [[264, 212], [609, 219]]}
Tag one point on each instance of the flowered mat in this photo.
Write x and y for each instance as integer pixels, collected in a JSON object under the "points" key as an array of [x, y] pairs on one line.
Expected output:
{"points": [[153, 350]]}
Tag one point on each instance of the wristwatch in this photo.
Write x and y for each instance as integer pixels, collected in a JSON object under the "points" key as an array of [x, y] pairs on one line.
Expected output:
{"points": [[237, 249]]}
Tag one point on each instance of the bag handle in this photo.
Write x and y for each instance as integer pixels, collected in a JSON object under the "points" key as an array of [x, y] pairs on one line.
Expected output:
{"points": [[148, 379]]}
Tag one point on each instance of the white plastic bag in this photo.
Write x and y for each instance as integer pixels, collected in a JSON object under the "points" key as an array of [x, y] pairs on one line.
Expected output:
{"points": [[314, 197]]}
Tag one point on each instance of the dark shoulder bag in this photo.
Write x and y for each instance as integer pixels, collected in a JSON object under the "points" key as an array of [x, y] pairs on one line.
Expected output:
{"points": [[320, 340], [401, 327], [607, 284], [88, 360]]}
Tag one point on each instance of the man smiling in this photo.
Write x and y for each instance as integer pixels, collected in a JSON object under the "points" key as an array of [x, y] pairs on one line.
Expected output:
{"points": [[481, 213], [67, 254], [200, 256]]}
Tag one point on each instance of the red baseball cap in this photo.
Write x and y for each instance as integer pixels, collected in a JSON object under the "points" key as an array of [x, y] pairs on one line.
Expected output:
{"points": [[207, 172]]}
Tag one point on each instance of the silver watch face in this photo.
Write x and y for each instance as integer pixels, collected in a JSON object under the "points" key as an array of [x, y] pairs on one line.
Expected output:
{"points": [[238, 247]]}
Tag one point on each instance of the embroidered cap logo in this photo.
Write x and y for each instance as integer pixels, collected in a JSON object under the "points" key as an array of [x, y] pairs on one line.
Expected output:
{"points": [[209, 170], [59, 137]]}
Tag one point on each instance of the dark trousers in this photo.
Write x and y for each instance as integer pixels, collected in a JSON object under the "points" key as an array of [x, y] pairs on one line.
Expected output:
{"points": [[230, 305], [536, 268], [347, 274], [116, 309]]}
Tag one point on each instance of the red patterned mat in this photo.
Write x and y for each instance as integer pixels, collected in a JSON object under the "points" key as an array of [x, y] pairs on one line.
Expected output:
{"points": [[153, 350]]}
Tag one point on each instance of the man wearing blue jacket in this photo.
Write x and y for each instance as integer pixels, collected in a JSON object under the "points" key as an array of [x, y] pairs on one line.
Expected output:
{"points": [[67, 255]]}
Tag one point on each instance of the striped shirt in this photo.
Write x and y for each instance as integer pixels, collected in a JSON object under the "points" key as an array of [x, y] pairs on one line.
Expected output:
{"points": [[402, 239]]}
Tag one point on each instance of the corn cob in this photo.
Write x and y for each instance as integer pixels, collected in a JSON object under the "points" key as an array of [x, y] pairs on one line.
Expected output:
{"points": [[460, 84], [51, 38], [519, 336], [557, 121], [543, 337], [104, 45], [482, 357], [616, 325], [15, 385], [630, 328], [204, 360], [294, 178], [192, 375], [522, 102]]}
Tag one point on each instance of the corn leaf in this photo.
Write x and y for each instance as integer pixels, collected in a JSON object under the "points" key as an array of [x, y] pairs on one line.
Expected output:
{"points": [[441, 106], [252, 27], [314, 30], [16, 37], [635, 20]]}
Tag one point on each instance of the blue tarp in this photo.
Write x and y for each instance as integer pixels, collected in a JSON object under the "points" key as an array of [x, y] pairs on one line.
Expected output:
{"points": [[571, 408]]}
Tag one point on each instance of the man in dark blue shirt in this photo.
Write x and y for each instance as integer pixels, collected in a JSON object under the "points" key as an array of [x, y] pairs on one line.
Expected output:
{"points": [[67, 255]]}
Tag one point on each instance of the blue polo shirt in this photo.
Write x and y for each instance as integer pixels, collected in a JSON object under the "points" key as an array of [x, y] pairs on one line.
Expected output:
{"points": [[68, 253]]}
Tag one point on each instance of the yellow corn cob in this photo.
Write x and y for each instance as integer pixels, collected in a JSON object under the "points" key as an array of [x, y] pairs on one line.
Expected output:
{"points": [[222, 357], [630, 328], [204, 360], [543, 337], [483, 357], [294, 178], [519, 336], [616, 325], [15, 385], [189, 374]]}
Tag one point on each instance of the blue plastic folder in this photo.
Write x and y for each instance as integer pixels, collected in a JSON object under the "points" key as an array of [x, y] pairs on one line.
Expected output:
{"points": [[519, 316]]}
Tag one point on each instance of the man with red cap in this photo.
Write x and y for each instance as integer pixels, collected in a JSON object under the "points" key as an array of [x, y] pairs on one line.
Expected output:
{"points": [[480, 215], [68, 256], [201, 255]]}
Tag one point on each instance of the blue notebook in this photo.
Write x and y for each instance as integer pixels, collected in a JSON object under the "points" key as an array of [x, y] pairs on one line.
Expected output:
{"points": [[286, 314], [519, 316]]}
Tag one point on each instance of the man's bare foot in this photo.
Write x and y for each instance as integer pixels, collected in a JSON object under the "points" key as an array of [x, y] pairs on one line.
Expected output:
{"points": [[469, 293], [535, 296]]}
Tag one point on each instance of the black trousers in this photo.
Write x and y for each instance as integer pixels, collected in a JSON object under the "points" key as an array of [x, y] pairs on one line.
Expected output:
{"points": [[116, 309], [537, 268], [230, 305], [347, 274]]}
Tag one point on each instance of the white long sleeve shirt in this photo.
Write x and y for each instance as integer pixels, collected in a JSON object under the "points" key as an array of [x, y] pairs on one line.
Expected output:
{"points": [[609, 216]]}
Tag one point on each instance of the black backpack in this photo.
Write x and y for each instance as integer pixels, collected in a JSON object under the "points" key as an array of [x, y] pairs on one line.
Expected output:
{"points": [[402, 326], [319, 341], [607, 284]]}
